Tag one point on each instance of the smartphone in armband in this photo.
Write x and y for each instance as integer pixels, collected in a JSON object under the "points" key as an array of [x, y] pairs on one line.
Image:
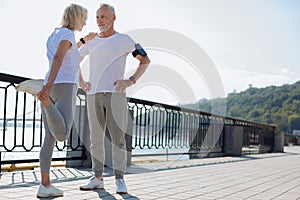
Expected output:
{"points": [[139, 51]]}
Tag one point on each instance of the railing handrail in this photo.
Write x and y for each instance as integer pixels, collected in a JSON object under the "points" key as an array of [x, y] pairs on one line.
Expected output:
{"points": [[12, 79], [188, 110]]}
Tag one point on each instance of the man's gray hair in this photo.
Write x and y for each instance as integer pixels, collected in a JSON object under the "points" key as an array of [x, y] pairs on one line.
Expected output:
{"points": [[112, 9]]}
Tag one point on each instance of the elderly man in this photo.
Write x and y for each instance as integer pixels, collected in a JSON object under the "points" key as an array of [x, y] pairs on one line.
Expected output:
{"points": [[106, 99]]}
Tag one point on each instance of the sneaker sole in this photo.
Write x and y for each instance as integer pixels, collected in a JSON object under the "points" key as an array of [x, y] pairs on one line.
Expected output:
{"points": [[122, 192], [49, 195], [88, 189]]}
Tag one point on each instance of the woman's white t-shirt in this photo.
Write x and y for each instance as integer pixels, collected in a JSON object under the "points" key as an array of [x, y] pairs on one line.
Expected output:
{"points": [[69, 70]]}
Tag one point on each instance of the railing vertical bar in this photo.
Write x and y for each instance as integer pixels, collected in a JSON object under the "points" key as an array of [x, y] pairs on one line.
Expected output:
{"points": [[15, 120], [23, 122], [33, 122], [4, 122]]}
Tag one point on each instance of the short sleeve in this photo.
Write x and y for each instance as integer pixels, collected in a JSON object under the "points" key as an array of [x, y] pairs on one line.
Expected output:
{"points": [[129, 44], [69, 36]]}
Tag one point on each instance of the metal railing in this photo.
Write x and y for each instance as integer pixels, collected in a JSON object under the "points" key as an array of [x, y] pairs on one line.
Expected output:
{"points": [[154, 126], [291, 139], [21, 127], [157, 125]]}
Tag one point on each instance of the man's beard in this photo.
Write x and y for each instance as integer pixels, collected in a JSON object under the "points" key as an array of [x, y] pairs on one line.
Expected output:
{"points": [[105, 28]]}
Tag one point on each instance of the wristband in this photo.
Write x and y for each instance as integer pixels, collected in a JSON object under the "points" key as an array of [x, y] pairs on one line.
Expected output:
{"points": [[132, 79], [82, 40]]}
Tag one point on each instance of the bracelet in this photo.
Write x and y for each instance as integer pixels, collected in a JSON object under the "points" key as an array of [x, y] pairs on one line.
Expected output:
{"points": [[82, 40]]}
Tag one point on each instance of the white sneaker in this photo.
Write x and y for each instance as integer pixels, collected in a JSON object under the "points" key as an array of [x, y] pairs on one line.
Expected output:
{"points": [[94, 183], [121, 186], [31, 86], [50, 191]]}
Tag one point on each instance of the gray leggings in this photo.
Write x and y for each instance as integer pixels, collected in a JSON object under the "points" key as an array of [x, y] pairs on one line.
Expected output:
{"points": [[58, 120]]}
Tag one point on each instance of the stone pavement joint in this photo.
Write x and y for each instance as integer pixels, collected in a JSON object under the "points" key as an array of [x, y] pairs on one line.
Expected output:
{"points": [[259, 176]]}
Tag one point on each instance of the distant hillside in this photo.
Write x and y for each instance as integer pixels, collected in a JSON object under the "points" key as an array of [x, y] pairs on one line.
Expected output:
{"points": [[279, 105]]}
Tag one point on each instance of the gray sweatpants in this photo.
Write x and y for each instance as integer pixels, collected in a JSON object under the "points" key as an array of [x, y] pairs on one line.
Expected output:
{"points": [[58, 120], [109, 110]]}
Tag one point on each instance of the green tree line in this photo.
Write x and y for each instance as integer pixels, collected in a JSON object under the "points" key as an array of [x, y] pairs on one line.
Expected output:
{"points": [[277, 105]]}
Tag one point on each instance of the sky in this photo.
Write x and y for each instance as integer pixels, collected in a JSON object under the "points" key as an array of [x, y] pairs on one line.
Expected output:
{"points": [[241, 42]]}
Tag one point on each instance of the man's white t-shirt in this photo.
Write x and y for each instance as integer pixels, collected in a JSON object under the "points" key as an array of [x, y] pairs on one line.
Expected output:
{"points": [[69, 70], [107, 60]]}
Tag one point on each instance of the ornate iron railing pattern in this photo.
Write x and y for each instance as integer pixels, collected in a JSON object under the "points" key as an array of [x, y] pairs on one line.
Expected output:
{"points": [[164, 126], [21, 127], [154, 125]]}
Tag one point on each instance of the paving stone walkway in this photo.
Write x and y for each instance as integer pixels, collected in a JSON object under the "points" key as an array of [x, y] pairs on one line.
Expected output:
{"points": [[263, 176]]}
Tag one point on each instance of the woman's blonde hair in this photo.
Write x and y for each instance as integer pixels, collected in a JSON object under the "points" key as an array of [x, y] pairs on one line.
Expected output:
{"points": [[73, 17]]}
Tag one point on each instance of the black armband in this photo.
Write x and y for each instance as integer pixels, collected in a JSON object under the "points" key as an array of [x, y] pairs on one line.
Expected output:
{"points": [[139, 51]]}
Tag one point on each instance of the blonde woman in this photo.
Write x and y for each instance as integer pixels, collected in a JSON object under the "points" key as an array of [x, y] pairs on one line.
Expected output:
{"points": [[58, 93]]}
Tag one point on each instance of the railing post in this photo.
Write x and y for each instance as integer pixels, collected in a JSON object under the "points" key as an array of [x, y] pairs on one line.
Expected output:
{"points": [[233, 140], [80, 134], [278, 142]]}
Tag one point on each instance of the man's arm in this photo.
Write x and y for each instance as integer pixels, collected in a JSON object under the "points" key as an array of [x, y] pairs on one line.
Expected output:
{"points": [[144, 62], [121, 85]]}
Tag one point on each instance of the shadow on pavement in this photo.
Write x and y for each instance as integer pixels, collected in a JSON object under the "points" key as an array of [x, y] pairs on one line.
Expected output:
{"points": [[103, 194], [32, 178]]}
